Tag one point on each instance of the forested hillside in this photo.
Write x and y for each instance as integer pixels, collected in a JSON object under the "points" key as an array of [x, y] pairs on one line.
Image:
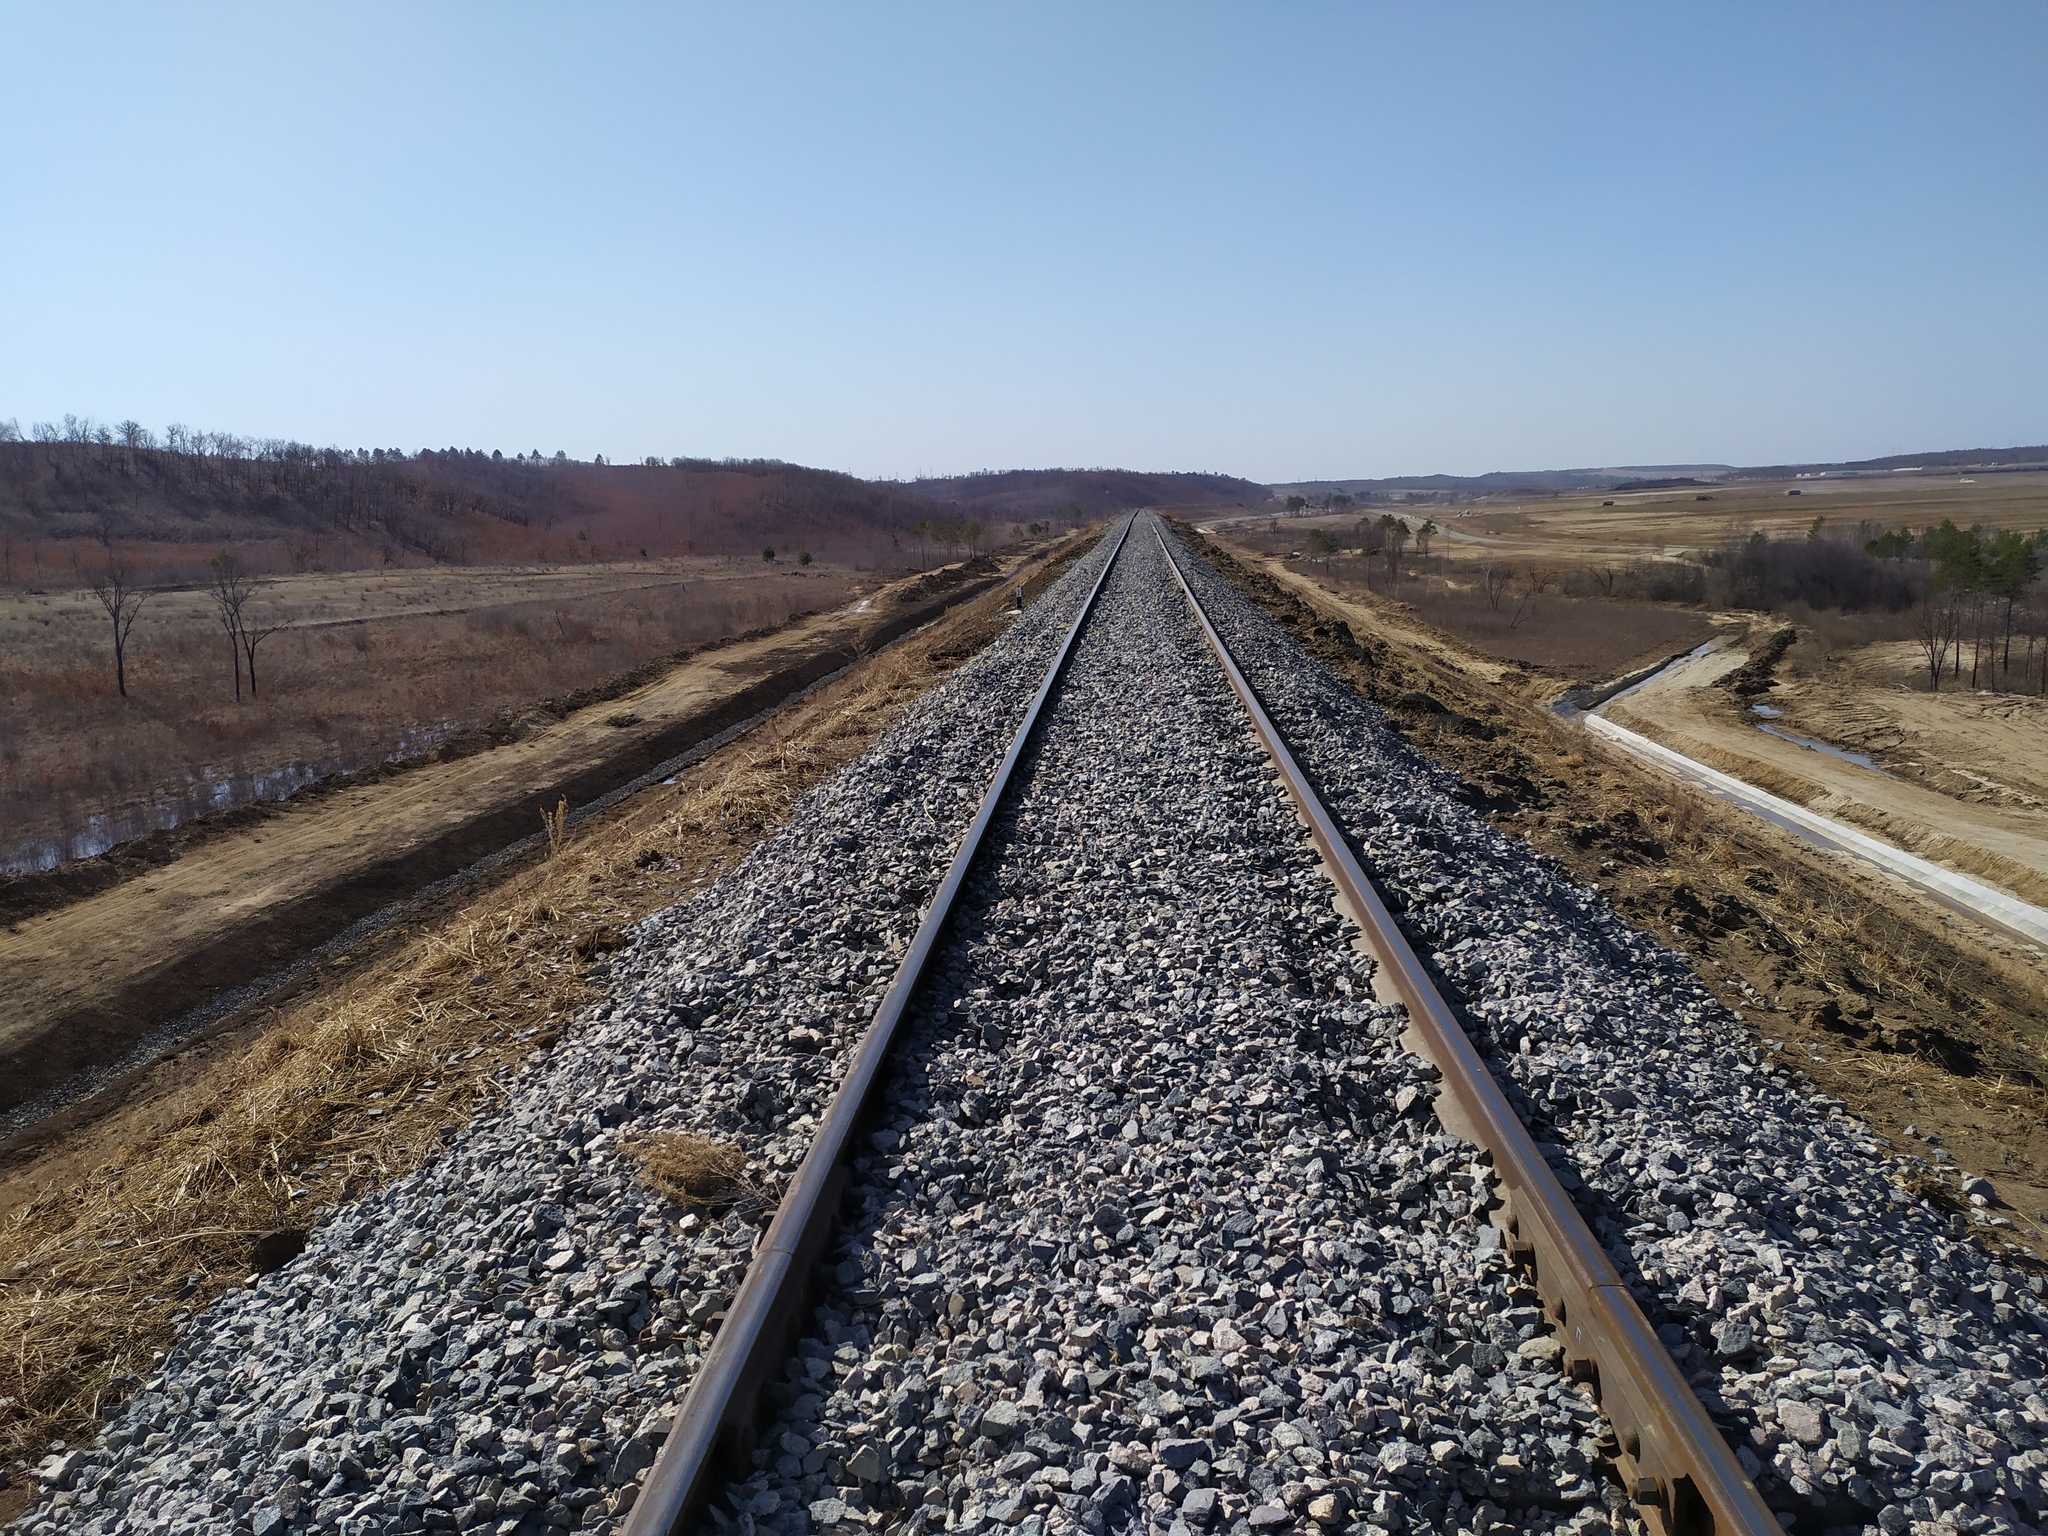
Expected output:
{"points": [[1077, 494], [168, 505]]}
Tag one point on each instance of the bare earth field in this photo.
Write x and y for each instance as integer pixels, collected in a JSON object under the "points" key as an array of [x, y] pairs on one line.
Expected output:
{"points": [[372, 665], [1934, 1030], [1573, 529]]}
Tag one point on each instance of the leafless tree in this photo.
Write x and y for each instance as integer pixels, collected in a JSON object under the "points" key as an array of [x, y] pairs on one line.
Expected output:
{"points": [[121, 602], [1394, 533], [230, 587], [1938, 624], [1525, 606], [1494, 578], [253, 635]]}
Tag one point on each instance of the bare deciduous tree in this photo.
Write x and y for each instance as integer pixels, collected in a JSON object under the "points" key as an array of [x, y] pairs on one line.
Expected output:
{"points": [[1394, 533], [254, 635], [1525, 606], [121, 602], [1494, 576], [1938, 624], [231, 587]]}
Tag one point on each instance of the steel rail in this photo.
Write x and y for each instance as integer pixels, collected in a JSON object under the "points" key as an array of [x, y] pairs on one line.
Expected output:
{"points": [[723, 1407], [1674, 1463]]}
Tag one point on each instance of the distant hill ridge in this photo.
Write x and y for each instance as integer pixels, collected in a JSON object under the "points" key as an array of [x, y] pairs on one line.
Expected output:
{"points": [[171, 504], [1650, 476], [291, 503], [1032, 493]]}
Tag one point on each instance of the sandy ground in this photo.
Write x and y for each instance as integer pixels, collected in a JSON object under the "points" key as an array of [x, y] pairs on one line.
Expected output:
{"points": [[1916, 741], [1981, 747], [85, 980]]}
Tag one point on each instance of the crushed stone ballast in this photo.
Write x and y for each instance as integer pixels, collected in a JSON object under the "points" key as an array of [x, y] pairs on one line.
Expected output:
{"points": [[1158, 1230]]}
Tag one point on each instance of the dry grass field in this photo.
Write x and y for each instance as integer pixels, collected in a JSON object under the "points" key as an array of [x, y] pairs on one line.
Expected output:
{"points": [[1561, 588], [369, 666]]}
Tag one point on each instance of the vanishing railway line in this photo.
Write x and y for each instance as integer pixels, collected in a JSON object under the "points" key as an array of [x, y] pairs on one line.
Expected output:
{"points": [[1681, 1474], [1111, 1186]]}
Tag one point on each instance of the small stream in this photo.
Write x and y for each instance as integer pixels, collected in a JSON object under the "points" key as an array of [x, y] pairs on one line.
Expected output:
{"points": [[208, 795], [1860, 759]]}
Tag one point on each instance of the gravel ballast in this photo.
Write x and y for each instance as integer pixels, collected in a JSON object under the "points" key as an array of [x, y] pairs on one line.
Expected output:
{"points": [[1875, 1368], [494, 1341], [1161, 1232]]}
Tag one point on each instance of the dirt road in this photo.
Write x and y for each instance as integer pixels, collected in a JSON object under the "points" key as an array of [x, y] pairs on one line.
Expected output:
{"points": [[2001, 837]]}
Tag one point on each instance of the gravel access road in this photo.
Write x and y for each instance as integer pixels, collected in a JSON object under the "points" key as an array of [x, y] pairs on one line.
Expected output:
{"points": [[1161, 1234]]}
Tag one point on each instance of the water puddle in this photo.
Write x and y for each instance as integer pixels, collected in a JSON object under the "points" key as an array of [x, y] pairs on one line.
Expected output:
{"points": [[1860, 759]]}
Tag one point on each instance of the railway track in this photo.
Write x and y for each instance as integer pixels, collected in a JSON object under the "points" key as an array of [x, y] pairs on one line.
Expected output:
{"points": [[1681, 1474], [1131, 1197]]}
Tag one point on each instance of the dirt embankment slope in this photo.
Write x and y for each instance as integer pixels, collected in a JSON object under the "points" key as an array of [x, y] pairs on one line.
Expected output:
{"points": [[85, 981], [1912, 1019]]}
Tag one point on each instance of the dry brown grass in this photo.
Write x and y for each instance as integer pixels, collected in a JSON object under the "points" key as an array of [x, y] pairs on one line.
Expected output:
{"points": [[338, 1097], [1570, 636], [341, 690], [695, 1172], [556, 825], [353, 1084]]}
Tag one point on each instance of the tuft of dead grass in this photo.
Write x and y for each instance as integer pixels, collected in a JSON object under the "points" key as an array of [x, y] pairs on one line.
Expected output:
{"points": [[693, 1171]]}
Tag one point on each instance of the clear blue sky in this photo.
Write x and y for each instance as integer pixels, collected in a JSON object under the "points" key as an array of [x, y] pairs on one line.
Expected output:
{"points": [[1283, 241]]}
